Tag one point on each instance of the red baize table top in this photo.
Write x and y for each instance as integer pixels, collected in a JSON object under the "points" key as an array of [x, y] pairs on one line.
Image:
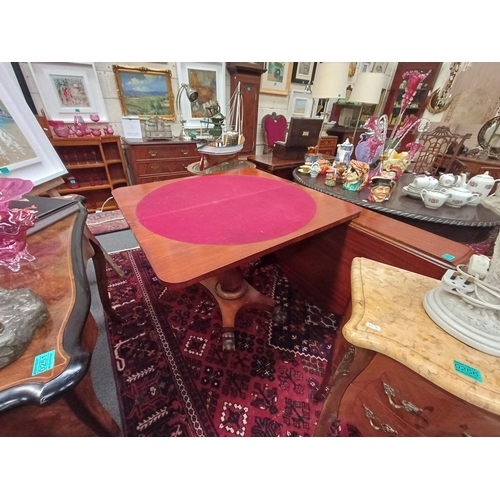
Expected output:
{"points": [[178, 264], [225, 210]]}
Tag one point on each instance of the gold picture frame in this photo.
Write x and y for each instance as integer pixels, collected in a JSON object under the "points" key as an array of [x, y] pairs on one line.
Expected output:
{"points": [[145, 92]]}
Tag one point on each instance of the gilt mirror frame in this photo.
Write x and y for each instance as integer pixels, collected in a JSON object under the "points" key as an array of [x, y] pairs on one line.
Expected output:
{"points": [[482, 140], [145, 92], [432, 104]]}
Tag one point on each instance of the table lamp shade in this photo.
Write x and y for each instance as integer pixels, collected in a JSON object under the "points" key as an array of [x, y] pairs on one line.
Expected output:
{"points": [[368, 87], [330, 81]]}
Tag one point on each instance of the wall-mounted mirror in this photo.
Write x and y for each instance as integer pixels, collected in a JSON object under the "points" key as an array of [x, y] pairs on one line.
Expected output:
{"points": [[489, 137], [438, 104]]}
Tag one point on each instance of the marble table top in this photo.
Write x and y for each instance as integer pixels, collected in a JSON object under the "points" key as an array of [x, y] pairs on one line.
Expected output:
{"points": [[388, 317]]}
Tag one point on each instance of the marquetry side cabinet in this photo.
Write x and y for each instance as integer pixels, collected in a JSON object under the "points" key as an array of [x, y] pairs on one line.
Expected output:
{"points": [[328, 145], [95, 165], [159, 160], [394, 372]]}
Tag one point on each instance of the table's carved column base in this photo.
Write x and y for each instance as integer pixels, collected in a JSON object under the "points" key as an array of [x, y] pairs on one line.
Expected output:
{"points": [[234, 294]]}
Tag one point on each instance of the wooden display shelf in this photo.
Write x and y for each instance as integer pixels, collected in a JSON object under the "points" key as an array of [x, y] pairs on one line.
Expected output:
{"points": [[97, 163]]}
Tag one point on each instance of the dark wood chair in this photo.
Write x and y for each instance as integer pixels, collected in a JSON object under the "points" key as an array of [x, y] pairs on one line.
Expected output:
{"points": [[274, 129], [436, 144]]}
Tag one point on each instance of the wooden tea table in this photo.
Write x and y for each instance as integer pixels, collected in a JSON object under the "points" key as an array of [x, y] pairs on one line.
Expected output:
{"points": [[202, 229]]}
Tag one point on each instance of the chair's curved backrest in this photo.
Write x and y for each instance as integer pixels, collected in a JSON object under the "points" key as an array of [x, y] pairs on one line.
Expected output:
{"points": [[274, 129], [436, 144]]}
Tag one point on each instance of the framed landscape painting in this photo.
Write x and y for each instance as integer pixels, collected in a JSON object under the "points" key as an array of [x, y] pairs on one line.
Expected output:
{"points": [[276, 80], [145, 92], [69, 89], [210, 82], [300, 105]]}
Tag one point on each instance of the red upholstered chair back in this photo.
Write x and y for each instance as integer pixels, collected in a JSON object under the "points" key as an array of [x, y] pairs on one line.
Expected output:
{"points": [[274, 129]]}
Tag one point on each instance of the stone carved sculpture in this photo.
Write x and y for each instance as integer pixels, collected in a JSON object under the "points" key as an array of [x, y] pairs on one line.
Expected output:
{"points": [[22, 312]]}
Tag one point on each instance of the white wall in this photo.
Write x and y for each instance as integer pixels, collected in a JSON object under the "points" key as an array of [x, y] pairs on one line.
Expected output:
{"points": [[267, 102]]}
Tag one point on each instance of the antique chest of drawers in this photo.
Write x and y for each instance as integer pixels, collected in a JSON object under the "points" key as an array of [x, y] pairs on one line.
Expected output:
{"points": [[159, 160], [397, 373], [328, 145]]}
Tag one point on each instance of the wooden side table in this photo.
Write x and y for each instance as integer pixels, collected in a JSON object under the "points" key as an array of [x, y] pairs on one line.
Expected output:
{"points": [[396, 373], [277, 166], [59, 401]]}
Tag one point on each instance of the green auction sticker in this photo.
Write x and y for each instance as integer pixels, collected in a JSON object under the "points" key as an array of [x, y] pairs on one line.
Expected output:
{"points": [[43, 362], [448, 256], [468, 371]]}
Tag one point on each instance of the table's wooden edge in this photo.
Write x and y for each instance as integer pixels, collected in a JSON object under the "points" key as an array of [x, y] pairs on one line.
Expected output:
{"points": [[473, 392], [39, 392]]}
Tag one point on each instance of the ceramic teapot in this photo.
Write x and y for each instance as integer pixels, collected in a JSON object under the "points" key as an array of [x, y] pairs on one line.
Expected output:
{"points": [[344, 152], [459, 197], [480, 184]]}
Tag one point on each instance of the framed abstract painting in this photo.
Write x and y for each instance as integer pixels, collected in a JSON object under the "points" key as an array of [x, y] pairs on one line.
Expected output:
{"points": [[209, 79], [25, 150], [69, 89], [277, 78], [145, 92]]}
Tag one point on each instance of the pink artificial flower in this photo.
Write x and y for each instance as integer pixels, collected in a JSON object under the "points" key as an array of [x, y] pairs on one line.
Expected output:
{"points": [[413, 149], [371, 124], [414, 79], [409, 123]]}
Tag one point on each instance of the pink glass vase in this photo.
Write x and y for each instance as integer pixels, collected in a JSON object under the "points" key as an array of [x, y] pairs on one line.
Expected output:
{"points": [[14, 224]]}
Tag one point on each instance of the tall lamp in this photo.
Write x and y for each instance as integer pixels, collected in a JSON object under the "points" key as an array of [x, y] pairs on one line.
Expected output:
{"points": [[192, 95], [367, 90], [330, 81]]}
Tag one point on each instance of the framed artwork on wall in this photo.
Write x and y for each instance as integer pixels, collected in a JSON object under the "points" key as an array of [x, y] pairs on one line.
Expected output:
{"points": [[276, 80], [209, 79], [145, 92], [379, 67], [365, 67], [299, 105], [69, 89], [25, 150], [303, 72]]}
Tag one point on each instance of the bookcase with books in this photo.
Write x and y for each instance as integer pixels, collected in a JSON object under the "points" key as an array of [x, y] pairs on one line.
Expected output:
{"points": [[96, 166]]}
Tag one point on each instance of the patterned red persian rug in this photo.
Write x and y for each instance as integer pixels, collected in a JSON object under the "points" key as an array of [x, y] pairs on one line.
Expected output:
{"points": [[173, 378], [106, 222]]}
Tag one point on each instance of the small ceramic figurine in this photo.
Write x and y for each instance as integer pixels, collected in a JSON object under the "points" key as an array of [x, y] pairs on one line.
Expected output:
{"points": [[355, 175], [381, 189], [330, 179]]}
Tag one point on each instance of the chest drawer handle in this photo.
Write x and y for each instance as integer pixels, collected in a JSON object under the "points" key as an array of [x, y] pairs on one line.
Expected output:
{"points": [[153, 152], [184, 151], [406, 405], [381, 427]]}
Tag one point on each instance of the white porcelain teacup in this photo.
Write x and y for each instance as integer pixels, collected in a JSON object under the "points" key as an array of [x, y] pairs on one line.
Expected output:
{"points": [[423, 181], [433, 199], [447, 180], [458, 197]]}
